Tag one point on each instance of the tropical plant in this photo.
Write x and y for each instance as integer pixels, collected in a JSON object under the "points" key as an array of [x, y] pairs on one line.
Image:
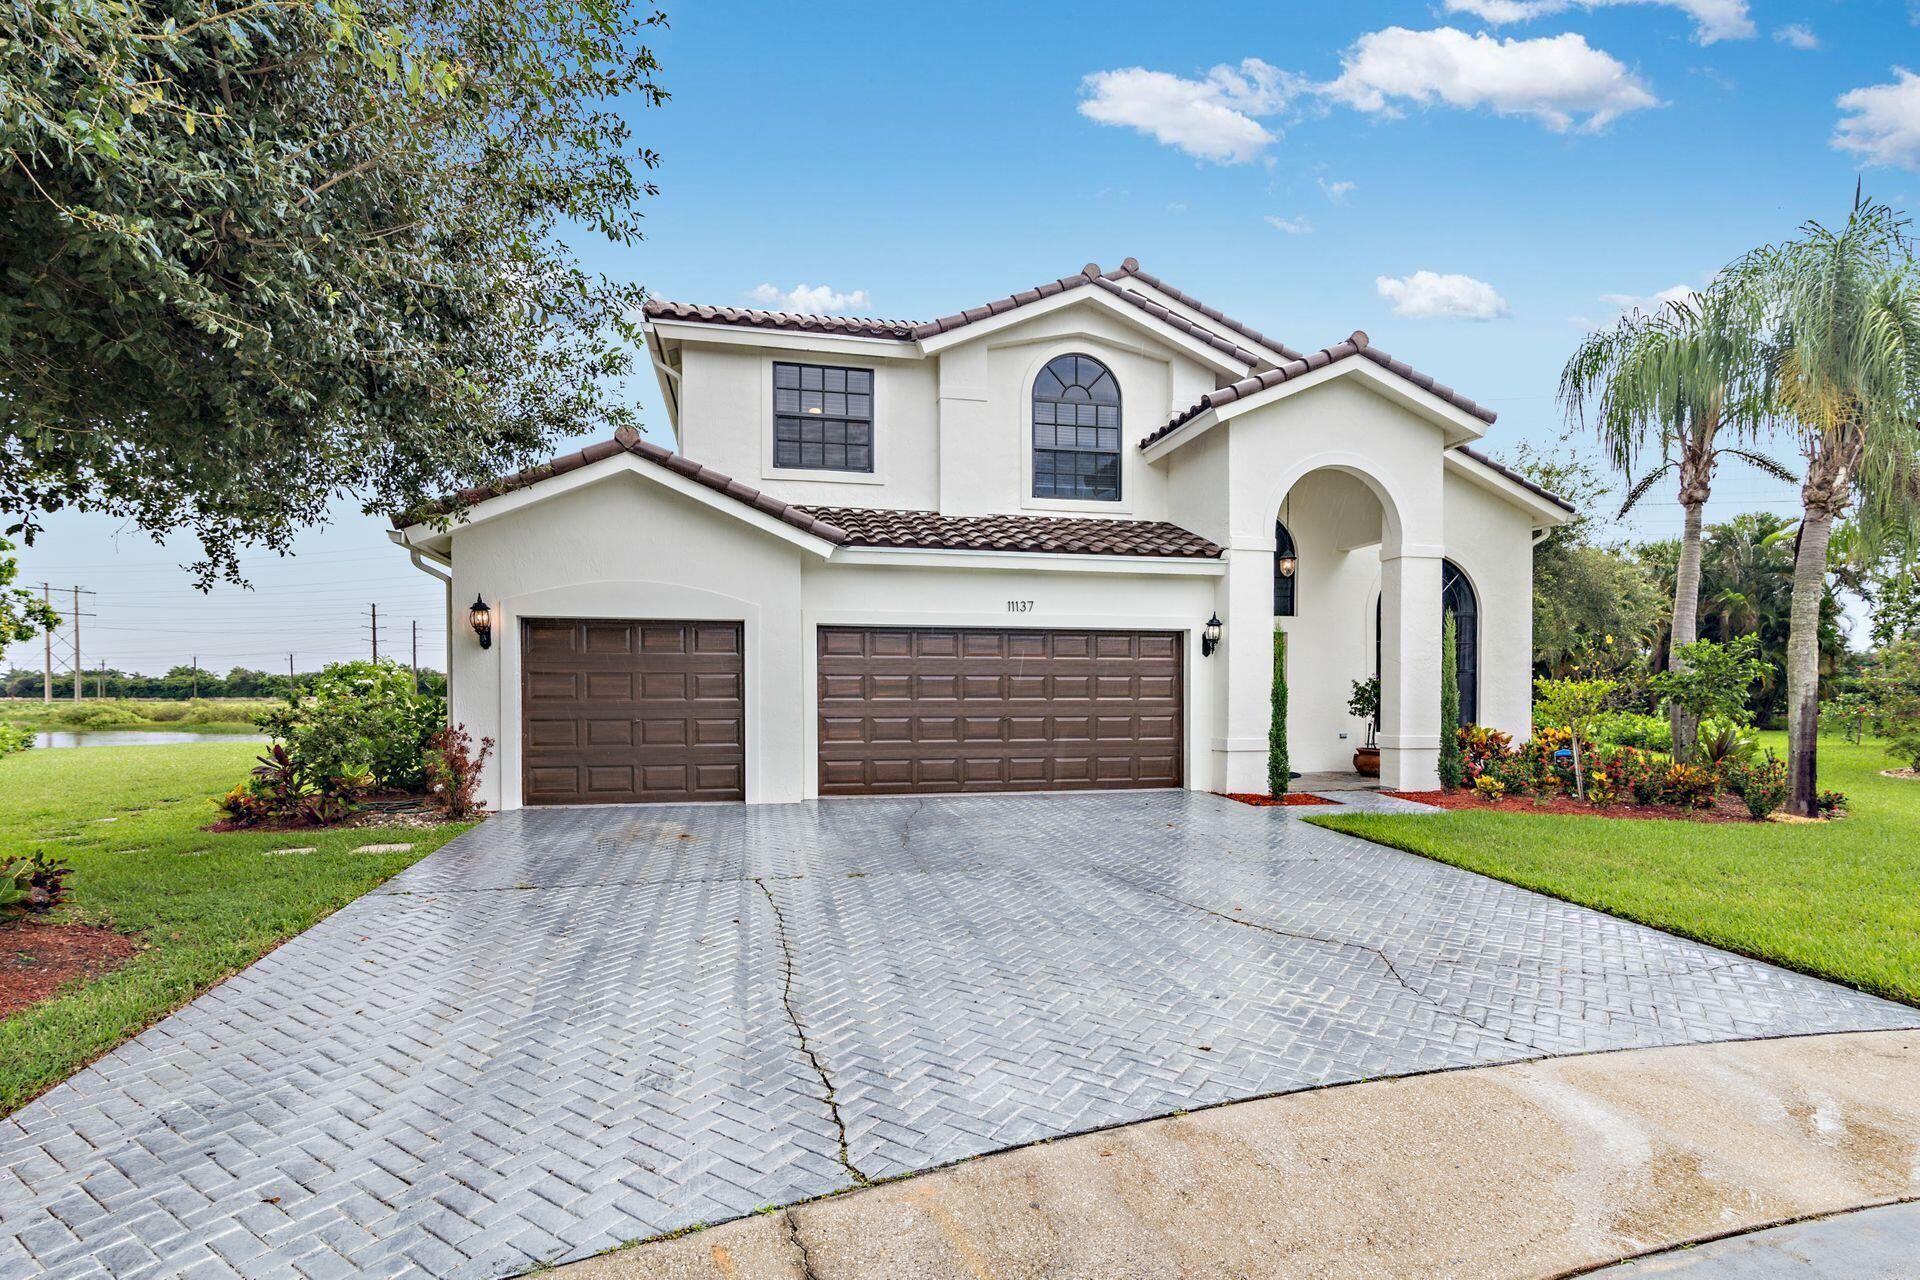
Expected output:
{"points": [[33, 884], [1709, 679], [454, 769], [1845, 304], [1451, 766], [358, 718], [1674, 381], [1365, 704], [1488, 787], [14, 738], [323, 244], [1572, 705], [1761, 786]]}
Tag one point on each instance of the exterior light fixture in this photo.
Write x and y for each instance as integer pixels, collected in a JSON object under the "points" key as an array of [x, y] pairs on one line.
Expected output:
{"points": [[1288, 564], [1210, 636], [480, 615]]}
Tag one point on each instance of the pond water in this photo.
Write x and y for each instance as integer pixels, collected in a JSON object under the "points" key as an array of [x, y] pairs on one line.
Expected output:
{"points": [[133, 738]]}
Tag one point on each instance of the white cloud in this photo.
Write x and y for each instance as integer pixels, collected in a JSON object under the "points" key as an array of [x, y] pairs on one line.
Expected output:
{"points": [[1557, 80], [1885, 122], [811, 299], [1427, 295], [1797, 35], [1209, 119], [1713, 20], [1292, 226], [1336, 191], [1648, 303]]}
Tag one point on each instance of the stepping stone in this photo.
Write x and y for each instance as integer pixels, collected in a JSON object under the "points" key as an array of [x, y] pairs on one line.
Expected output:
{"points": [[383, 848], [298, 848]]}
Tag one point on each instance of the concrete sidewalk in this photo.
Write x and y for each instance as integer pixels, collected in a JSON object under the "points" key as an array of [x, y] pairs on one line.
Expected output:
{"points": [[1530, 1170]]}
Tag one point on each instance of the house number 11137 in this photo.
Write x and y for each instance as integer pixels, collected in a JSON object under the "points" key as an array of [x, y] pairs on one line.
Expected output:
{"points": [[1019, 606]]}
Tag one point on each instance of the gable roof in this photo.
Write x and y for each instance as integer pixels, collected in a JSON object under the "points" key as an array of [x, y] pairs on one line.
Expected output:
{"points": [[1510, 474], [1357, 344], [863, 526]]}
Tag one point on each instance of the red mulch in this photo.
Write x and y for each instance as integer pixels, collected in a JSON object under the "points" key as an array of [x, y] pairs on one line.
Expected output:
{"points": [[397, 808], [1260, 800], [1725, 809], [37, 959]]}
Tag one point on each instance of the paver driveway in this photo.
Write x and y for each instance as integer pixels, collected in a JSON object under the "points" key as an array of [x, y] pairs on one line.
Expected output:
{"points": [[570, 1028]]}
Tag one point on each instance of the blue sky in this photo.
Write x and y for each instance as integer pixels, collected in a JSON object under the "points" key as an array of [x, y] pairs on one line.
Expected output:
{"points": [[1470, 181]]}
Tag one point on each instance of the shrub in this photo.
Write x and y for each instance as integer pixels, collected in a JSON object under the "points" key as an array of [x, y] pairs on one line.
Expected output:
{"points": [[1631, 729], [1831, 802], [1481, 747], [1279, 771], [1687, 785], [1722, 743], [1642, 775], [1488, 787], [358, 719], [1452, 767], [103, 715], [1762, 785], [1515, 774], [1600, 791], [1716, 681], [33, 884], [454, 767], [13, 738], [1572, 705], [1903, 740]]}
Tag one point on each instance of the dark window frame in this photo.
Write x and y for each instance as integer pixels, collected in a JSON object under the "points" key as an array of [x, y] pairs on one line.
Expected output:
{"points": [[1286, 591], [1458, 598], [1097, 409], [824, 427]]}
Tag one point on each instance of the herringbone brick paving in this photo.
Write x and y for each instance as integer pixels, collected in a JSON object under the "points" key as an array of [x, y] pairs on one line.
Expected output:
{"points": [[571, 1028]]}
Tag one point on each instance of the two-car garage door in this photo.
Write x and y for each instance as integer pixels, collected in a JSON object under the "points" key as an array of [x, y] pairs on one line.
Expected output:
{"points": [[633, 711]]}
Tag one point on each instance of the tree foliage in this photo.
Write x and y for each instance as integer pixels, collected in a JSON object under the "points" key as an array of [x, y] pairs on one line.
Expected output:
{"points": [[260, 254], [23, 615], [1279, 769], [1452, 765], [1714, 680]]}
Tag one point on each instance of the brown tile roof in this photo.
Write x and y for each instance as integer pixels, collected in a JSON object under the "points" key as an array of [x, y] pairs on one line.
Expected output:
{"points": [[833, 326], [630, 442], [1516, 477], [1132, 267], [1061, 535], [1356, 345], [863, 526]]}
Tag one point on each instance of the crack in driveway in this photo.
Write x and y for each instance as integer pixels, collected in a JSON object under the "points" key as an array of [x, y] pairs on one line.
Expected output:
{"points": [[1378, 954], [800, 1030]]}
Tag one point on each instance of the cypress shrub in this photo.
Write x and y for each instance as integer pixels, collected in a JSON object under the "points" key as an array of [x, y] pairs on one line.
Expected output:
{"points": [[1278, 773], [1452, 767]]}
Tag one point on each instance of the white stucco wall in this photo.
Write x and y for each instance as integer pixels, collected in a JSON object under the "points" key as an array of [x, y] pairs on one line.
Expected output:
{"points": [[1492, 541], [626, 547]]}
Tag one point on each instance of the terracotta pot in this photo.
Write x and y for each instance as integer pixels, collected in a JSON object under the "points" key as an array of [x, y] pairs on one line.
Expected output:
{"points": [[1366, 760]]}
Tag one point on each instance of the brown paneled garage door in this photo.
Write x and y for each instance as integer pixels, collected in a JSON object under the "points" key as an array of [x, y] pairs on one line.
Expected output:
{"points": [[939, 709], [618, 712]]}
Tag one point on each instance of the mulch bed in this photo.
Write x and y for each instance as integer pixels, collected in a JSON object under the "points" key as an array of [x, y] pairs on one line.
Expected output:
{"points": [[381, 811], [1725, 808], [1260, 800], [37, 959]]}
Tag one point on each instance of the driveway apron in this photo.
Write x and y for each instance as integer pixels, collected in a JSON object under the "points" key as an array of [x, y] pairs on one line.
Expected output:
{"points": [[572, 1028]]}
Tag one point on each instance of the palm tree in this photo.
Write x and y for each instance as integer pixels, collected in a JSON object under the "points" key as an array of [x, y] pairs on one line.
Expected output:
{"points": [[1846, 377], [1676, 379]]}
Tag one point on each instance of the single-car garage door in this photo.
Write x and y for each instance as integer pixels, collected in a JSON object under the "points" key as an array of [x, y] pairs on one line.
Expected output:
{"points": [[940, 709], [624, 712]]}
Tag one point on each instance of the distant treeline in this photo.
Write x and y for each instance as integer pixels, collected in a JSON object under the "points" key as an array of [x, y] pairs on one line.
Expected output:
{"points": [[178, 684]]}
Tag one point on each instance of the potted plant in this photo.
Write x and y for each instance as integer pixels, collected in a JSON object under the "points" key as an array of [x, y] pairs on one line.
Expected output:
{"points": [[1365, 703]]}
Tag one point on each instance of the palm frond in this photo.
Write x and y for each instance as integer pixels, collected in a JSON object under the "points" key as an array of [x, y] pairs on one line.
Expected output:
{"points": [[1761, 462], [1639, 490]]}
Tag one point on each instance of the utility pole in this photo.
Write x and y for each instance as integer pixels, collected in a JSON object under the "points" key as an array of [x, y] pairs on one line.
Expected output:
{"points": [[46, 681], [290, 693], [79, 668], [416, 656], [196, 676], [375, 612]]}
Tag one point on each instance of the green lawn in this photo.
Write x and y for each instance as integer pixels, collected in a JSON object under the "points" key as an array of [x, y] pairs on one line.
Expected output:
{"points": [[1840, 899], [128, 820]]}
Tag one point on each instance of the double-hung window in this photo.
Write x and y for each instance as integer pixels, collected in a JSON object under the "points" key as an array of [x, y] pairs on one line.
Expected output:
{"points": [[822, 417]]}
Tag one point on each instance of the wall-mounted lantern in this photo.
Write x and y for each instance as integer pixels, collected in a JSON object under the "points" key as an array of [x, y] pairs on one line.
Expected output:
{"points": [[1210, 636], [480, 615]]}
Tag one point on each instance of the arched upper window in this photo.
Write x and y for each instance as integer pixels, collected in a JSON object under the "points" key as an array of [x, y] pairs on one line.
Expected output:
{"points": [[1076, 430], [1286, 570], [1457, 598]]}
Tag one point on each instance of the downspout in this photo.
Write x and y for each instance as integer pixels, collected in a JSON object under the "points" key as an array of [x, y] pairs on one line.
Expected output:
{"points": [[446, 607]]}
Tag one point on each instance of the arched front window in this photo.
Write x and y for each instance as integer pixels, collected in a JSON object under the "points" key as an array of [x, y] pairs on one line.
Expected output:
{"points": [[1076, 430], [1286, 571], [1457, 598]]}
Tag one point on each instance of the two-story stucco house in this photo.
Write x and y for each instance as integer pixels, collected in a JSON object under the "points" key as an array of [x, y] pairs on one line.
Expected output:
{"points": [[982, 553]]}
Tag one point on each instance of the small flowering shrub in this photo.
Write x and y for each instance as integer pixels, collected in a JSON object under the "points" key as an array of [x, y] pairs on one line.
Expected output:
{"points": [[453, 770], [1488, 787], [1831, 802], [1480, 747], [1688, 786], [1761, 785]]}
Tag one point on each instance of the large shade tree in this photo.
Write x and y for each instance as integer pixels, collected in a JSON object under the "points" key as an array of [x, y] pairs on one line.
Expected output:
{"points": [[260, 256], [1685, 383], [1846, 303]]}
